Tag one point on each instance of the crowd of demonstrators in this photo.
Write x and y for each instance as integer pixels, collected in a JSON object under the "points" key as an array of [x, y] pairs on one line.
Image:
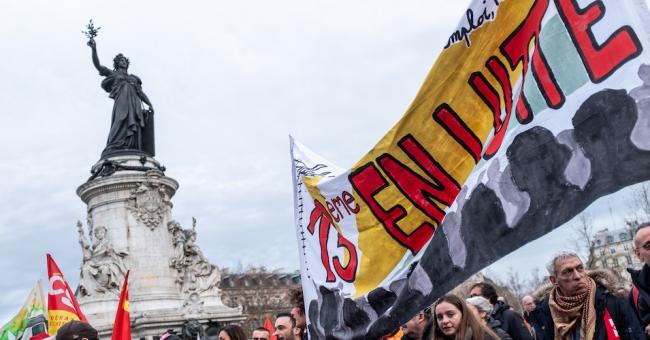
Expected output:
{"points": [[261, 333], [232, 332], [298, 311], [482, 308], [576, 304], [77, 330], [511, 321]]}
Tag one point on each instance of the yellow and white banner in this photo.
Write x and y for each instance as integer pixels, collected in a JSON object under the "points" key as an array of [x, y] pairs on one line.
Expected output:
{"points": [[533, 110]]}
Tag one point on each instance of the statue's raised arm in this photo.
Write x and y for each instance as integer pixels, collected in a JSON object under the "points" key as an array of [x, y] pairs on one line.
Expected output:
{"points": [[131, 130], [103, 70]]}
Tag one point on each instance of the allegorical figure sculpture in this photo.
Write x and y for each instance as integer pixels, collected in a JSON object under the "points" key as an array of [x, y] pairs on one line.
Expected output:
{"points": [[131, 124], [103, 269], [196, 273]]}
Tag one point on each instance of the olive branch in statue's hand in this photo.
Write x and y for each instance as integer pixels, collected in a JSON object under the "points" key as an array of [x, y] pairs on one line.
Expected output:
{"points": [[91, 33]]}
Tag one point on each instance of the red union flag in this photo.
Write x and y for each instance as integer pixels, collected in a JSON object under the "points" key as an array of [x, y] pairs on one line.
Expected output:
{"points": [[61, 303], [533, 110], [122, 325], [269, 327]]}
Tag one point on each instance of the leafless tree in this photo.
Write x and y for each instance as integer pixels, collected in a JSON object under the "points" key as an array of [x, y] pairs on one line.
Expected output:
{"points": [[515, 283], [582, 238], [520, 286], [536, 280], [639, 205]]}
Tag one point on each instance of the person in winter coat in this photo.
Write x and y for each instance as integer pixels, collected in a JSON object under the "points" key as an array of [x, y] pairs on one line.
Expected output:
{"points": [[581, 306], [416, 328], [531, 314], [511, 321], [482, 308], [454, 320], [640, 294]]}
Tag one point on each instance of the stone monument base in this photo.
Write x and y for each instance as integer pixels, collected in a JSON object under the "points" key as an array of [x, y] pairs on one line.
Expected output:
{"points": [[129, 227]]}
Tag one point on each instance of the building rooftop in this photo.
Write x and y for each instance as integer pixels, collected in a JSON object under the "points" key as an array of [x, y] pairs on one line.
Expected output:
{"points": [[606, 236]]}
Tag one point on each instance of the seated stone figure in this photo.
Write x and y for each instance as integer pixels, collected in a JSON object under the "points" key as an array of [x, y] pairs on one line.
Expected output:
{"points": [[196, 273], [102, 270]]}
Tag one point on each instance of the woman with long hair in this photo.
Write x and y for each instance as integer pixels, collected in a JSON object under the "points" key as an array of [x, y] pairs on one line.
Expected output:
{"points": [[453, 320]]}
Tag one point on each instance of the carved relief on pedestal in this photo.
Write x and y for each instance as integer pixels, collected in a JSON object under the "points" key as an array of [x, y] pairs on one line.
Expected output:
{"points": [[102, 269], [149, 203], [195, 273]]}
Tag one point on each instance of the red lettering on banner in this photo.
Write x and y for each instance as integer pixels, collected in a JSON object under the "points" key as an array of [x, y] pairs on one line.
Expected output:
{"points": [[516, 47], [549, 87], [457, 129], [346, 201], [421, 192], [368, 181], [349, 272], [346, 273], [600, 60], [330, 208], [349, 202]]}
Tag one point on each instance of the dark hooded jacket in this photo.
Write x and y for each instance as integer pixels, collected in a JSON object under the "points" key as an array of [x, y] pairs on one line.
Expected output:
{"points": [[511, 321], [626, 323], [641, 303], [495, 326]]}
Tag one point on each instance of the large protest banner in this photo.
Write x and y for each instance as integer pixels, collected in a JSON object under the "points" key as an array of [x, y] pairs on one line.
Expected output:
{"points": [[532, 111]]}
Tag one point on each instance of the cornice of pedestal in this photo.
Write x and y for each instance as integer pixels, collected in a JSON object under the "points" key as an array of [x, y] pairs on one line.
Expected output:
{"points": [[127, 180]]}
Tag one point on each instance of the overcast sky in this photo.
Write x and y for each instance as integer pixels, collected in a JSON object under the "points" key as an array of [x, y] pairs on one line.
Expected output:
{"points": [[229, 82]]}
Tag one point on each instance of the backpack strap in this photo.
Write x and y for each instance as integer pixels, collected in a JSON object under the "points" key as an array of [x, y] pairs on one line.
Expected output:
{"points": [[635, 297]]}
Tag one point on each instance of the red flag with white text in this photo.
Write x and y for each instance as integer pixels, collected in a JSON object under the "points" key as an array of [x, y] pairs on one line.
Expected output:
{"points": [[61, 303]]}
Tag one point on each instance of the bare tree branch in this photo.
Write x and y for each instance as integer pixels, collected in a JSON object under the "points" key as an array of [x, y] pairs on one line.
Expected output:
{"points": [[639, 205], [582, 238]]}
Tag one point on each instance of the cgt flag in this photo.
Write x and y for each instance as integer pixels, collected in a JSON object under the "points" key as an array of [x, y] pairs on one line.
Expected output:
{"points": [[533, 110], [61, 303], [122, 325]]}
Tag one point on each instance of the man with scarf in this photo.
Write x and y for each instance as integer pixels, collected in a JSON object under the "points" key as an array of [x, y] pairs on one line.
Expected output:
{"points": [[640, 294], [579, 308]]}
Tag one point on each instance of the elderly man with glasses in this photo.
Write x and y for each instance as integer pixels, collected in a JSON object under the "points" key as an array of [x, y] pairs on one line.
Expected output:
{"points": [[640, 294]]}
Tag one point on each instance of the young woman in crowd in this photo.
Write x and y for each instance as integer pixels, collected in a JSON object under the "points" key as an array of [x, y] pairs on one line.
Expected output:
{"points": [[453, 320], [232, 332]]}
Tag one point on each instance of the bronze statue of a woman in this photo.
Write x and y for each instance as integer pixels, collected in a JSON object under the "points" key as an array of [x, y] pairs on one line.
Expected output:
{"points": [[131, 124]]}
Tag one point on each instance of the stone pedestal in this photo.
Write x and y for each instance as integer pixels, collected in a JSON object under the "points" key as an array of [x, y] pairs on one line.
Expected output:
{"points": [[130, 228]]}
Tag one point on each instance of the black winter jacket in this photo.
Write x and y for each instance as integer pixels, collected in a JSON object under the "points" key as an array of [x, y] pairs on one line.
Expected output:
{"points": [[641, 280], [626, 323], [495, 326], [511, 321]]}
